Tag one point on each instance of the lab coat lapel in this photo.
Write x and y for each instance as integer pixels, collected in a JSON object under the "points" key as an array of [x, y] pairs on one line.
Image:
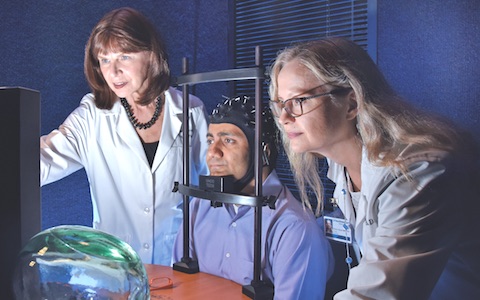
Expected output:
{"points": [[127, 133], [171, 128], [336, 173], [367, 215]]}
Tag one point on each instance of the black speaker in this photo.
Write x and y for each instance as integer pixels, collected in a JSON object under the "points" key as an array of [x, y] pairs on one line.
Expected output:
{"points": [[20, 202]]}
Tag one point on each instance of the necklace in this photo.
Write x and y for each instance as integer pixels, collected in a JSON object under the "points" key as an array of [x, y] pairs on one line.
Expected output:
{"points": [[134, 120]]}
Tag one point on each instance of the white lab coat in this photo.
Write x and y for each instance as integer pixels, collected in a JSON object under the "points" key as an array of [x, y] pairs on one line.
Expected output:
{"points": [[130, 200], [410, 233]]}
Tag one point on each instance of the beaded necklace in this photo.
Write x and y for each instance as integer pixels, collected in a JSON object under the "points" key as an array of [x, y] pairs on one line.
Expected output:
{"points": [[134, 120]]}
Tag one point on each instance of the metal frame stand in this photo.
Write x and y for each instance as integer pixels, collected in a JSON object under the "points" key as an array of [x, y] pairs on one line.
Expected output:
{"points": [[258, 289]]}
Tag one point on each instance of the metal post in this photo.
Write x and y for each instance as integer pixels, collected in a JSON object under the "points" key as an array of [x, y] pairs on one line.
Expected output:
{"points": [[257, 253], [258, 288], [186, 265]]}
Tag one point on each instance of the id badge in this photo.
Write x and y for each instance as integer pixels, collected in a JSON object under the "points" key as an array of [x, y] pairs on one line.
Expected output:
{"points": [[338, 229]]}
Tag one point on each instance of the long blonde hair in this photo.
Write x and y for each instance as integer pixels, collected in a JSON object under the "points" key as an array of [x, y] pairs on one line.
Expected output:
{"points": [[386, 123]]}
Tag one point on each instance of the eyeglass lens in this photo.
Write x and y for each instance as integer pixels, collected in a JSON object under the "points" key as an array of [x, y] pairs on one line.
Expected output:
{"points": [[294, 106]]}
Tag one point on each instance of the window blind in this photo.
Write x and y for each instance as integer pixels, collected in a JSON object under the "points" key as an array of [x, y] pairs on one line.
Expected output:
{"points": [[274, 24]]}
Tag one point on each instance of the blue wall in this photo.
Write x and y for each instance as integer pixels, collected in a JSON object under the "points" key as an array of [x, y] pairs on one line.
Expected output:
{"points": [[427, 50]]}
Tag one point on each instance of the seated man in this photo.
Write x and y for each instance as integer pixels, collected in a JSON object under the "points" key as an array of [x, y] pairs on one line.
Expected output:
{"points": [[296, 257]]}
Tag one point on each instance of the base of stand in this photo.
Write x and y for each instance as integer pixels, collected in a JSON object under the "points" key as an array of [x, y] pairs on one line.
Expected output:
{"points": [[186, 266], [258, 290]]}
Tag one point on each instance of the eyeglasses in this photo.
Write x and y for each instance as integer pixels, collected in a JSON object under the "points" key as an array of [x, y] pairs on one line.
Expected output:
{"points": [[294, 107]]}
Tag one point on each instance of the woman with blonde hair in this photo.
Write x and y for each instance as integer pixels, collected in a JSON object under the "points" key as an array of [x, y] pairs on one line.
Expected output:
{"points": [[402, 177]]}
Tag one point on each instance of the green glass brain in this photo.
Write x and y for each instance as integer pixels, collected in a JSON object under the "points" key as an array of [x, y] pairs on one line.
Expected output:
{"points": [[77, 262]]}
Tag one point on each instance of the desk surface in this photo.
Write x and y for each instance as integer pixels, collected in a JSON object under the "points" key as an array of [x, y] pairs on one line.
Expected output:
{"points": [[194, 286]]}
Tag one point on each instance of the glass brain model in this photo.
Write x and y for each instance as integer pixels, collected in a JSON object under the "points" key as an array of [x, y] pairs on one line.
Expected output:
{"points": [[77, 262]]}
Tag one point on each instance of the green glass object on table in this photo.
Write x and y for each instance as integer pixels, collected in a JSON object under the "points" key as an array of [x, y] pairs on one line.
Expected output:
{"points": [[78, 262]]}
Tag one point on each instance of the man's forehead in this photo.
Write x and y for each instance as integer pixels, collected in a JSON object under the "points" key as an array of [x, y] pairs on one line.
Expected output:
{"points": [[221, 129]]}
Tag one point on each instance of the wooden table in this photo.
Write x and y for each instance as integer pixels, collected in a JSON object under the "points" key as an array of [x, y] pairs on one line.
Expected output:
{"points": [[194, 286]]}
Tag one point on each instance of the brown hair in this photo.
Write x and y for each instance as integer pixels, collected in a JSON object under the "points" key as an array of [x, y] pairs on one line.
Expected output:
{"points": [[125, 30]]}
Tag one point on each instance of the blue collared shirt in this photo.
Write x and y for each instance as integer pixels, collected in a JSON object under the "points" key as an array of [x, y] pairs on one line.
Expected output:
{"points": [[296, 256]]}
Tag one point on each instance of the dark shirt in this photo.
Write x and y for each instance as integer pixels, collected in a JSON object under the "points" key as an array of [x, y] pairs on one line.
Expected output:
{"points": [[150, 149]]}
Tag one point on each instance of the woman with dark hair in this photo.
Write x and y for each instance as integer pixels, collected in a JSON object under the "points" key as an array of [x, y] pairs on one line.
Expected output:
{"points": [[128, 134], [404, 189]]}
